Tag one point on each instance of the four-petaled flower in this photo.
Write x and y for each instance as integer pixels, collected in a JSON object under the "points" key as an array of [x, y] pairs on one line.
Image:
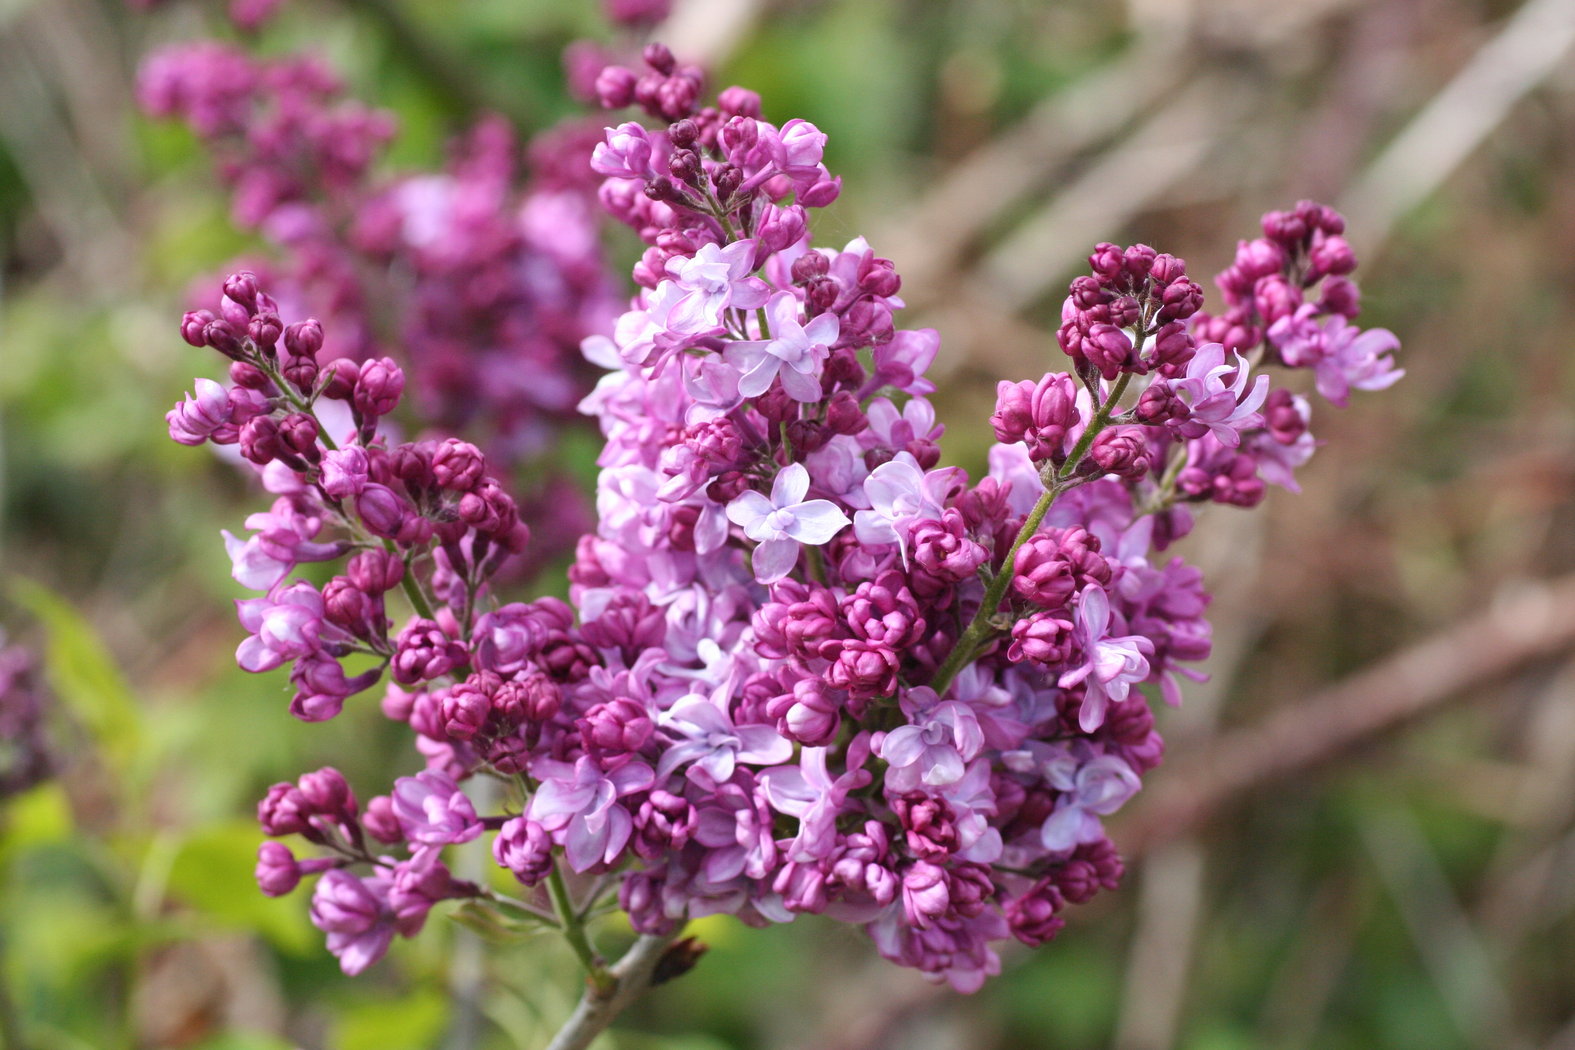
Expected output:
{"points": [[784, 521], [794, 352]]}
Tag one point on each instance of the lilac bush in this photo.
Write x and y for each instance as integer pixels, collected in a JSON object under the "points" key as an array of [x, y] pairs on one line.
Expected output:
{"points": [[804, 668]]}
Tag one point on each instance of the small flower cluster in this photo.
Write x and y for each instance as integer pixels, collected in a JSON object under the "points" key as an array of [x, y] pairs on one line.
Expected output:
{"points": [[25, 753], [482, 289], [805, 668]]}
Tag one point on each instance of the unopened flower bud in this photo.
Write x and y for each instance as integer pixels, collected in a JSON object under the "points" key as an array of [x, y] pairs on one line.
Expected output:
{"points": [[457, 465], [304, 338], [339, 379], [684, 133], [659, 58], [737, 101], [378, 387], [1122, 451]]}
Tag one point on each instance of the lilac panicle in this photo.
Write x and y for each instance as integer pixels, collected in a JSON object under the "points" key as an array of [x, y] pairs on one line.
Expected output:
{"points": [[803, 667]]}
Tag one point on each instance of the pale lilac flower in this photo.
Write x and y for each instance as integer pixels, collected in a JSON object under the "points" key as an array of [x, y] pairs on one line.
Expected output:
{"points": [[286, 625], [579, 805], [1092, 788], [1219, 397], [936, 745], [1114, 665], [356, 916], [625, 154], [784, 521], [707, 737], [900, 494], [1343, 357], [196, 418], [715, 279], [794, 352], [282, 541], [433, 811], [810, 793]]}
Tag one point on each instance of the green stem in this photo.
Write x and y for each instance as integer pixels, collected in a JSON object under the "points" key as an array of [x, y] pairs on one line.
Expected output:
{"points": [[980, 629], [574, 932], [413, 593]]}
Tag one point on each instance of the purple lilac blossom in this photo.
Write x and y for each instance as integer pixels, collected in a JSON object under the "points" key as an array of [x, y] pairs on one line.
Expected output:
{"points": [[906, 727]]}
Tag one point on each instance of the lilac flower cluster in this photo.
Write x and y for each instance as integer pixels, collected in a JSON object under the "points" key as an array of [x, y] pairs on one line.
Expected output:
{"points": [[805, 669], [483, 289], [25, 753]]}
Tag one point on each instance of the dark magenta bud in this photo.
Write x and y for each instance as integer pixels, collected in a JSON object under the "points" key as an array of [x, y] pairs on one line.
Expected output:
{"points": [[378, 387], [327, 792], [1122, 451], [457, 465], [264, 330], [1086, 293], [193, 327], [1331, 255], [1167, 268], [242, 287], [381, 510], [820, 293], [380, 822], [1181, 299], [301, 372], [684, 165], [615, 87], [1106, 260], [844, 416], [659, 58], [1137, 261], [665, 190], [376, 571], [277, 872], [736, 101], [1124, 311], [339, 379], [248, 376], [219, 335], [1287, 229], [727, 180], [304, 338], [809, 265], [684, 133], [1340, 296], [260, 440], [298, 432]]}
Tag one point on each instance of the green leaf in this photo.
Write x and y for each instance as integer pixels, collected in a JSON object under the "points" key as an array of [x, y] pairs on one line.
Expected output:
{"points": [[245, 1041], [212, 872], [84, 675], [417, 1019], [492, 924]]}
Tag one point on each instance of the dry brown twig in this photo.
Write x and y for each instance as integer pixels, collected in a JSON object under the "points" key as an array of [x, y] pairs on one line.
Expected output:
{"points": [[1533, 622]]}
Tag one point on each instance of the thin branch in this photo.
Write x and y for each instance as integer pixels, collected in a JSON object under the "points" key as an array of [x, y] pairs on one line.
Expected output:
{"points": [[1535, 622], [631, 976]]}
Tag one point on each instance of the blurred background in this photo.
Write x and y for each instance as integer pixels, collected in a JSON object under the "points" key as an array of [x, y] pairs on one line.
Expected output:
{"points": [[1364, 835]]}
